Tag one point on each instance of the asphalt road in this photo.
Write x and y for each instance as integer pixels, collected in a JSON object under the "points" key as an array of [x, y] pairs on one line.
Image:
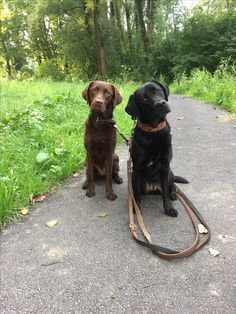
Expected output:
{"points": [[90, 264]]}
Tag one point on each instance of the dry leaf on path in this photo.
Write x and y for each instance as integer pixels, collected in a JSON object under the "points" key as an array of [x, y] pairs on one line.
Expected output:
{"points": [[76, 174], [214, 252], [202, 229], [226, 238], [102, 214], [24, 211], [225, 117], [39, 198], [52, 223], [180, 118]]}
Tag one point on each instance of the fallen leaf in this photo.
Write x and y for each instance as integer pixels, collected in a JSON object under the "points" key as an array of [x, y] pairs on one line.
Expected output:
{"points": [[39, 198], [24, 211], [202, 229], [225, 117], [42, 157], [52, 223], [76, 174], [214, 252], [180, 118], [226, 238], [102, 214]]}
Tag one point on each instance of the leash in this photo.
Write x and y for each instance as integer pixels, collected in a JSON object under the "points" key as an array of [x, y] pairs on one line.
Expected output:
{"points": [[195, 216], [121, 134], [160, 251]]}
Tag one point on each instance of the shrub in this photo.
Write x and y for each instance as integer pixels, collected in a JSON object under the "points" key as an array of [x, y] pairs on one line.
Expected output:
{"points": [[218, 88], [48, 70]]}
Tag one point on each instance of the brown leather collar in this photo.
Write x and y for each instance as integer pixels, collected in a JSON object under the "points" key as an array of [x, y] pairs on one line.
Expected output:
{"points": [[147, 128]]}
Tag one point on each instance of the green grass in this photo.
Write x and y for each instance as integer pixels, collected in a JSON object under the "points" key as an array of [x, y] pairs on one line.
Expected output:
{"points": [[218, 88], [43, 117], [21, 94]]}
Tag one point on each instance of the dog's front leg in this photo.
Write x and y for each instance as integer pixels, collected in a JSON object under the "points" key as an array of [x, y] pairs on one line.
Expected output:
{"points": [[89, 183], [164, 177], [109, 190]]}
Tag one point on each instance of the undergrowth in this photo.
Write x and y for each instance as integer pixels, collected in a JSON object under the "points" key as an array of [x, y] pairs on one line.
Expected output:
{"points": [[41, 139], [218, 88]]}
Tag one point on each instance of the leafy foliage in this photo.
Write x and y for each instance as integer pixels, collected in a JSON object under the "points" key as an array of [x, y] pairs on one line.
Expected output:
{"points": [[129, 39]]}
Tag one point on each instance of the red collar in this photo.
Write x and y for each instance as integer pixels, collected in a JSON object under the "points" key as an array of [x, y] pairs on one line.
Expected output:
{"points": [[147, 128]]}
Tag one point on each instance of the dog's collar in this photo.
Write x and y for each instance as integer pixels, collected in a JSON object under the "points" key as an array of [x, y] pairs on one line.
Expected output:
{"points": [[148, 128], [99, 120]]}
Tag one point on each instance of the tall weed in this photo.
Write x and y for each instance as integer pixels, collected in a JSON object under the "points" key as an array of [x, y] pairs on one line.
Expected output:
{"points": [[218, 88]]}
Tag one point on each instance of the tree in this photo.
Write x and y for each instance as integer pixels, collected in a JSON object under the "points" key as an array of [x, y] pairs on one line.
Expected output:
{"points": [[98, 39]]}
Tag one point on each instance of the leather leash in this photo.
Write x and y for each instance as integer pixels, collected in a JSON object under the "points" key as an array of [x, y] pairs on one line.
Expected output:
{"points": [[195, 216], [160, 251]]}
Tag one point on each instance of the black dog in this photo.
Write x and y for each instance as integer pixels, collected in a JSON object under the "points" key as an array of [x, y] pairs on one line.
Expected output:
{"points": [[151, 146]]}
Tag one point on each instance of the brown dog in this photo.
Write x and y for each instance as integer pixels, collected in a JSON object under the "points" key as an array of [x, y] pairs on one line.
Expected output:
{"points": [[100, 137]]}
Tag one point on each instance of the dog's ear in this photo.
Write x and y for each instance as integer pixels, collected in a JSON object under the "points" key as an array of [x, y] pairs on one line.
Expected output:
{"points": [[167, 90], [85, 92], [164, 87], [117, 98], [132, 109]]}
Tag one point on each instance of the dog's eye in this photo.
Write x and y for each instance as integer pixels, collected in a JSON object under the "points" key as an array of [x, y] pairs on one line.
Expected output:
{"points": [[94, 90]]}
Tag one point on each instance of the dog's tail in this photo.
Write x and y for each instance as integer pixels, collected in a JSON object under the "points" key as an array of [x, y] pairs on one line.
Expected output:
{"points": [[179, 179]]}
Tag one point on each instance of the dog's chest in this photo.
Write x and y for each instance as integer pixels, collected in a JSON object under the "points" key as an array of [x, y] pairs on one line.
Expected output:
{"points": [[101, 138]]}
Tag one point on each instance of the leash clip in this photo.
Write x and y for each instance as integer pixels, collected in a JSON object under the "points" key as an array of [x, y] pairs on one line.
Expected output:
{"points": [[133, 227]]}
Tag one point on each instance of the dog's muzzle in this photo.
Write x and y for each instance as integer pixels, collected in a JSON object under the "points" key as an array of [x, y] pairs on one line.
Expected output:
{"points": [[163, 106], [98, 106]]}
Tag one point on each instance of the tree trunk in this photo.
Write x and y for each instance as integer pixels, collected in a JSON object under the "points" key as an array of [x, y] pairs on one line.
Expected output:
{"points": [[8, 65], [139, 6], [127, 15], [150, 22], [98, 40], [6, 55], [118, 19], [39, 59]]}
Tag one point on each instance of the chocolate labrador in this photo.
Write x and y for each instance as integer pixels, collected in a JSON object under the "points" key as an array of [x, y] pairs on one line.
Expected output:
{"points": [[151, 145], [100, 137]]}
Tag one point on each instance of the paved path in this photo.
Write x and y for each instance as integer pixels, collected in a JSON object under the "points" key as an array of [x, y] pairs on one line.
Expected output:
{"points": [[88, 264]]}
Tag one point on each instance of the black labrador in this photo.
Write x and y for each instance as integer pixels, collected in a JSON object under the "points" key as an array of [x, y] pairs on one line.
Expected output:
{"points": [[151, 145]]}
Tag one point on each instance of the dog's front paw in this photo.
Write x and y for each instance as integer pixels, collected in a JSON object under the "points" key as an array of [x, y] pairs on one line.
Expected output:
{"points": [[172, 212], [173, 196], [90, 192], [118, 180], [111, 196]]}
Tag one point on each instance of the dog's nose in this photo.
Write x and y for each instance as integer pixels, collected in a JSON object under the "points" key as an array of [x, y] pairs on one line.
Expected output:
{"points": [[99, 102], [162, 103]]}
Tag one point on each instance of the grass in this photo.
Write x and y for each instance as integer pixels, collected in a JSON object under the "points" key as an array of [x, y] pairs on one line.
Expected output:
{"points": [[218, 88], [41, 138]]}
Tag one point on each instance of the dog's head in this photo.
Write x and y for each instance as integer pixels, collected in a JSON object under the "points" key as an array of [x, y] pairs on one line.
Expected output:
{"points": [[149, 103], [101, 95]]}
